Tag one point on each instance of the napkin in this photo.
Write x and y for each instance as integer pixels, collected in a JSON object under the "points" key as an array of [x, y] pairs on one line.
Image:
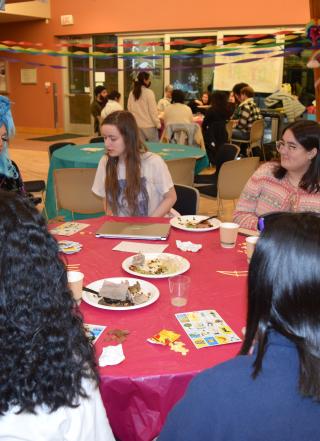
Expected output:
{"points": [[111, 355], [93, 149], [139, 247], [188, 246]]}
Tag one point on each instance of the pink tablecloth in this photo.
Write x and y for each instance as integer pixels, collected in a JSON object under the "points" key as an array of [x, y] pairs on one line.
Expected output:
{"points": [[140, 391]]}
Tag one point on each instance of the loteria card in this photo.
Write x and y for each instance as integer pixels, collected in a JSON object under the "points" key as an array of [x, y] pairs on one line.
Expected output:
{"points": [[68, 228], [206, 328], [93, 332]]}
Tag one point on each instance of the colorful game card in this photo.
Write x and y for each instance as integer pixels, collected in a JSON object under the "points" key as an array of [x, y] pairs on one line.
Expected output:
{"points": [[68, 228], [93, 331], [206, 328]]}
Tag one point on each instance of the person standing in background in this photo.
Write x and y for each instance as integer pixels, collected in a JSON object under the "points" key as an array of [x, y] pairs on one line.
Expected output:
{"points": [[142, 104], [100, 100], [112, 105]]}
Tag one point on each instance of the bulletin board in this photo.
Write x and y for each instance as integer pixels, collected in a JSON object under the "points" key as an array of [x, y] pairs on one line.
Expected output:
{"points": [[264, 75]]}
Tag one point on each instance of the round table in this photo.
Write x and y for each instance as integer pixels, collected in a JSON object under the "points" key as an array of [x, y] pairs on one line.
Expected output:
{"points": [[139, 392], [89, 155]]}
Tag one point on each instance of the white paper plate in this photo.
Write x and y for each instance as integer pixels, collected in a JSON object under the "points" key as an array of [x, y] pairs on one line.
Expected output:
{"points": [[181, 221], [92, 299], [182, 265]]}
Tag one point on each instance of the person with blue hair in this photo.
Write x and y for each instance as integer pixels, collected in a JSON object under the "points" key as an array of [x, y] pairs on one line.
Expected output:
{"points": [[10, 178]]}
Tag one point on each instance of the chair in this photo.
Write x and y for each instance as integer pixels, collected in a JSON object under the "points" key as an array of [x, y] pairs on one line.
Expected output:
{"points": [[233, 177], [229, 127], [73, 191], [182, 170], [255, 139], [33, 187], [187, 134], [226, 152], [97, 139], [56, 146], [187, 200]]}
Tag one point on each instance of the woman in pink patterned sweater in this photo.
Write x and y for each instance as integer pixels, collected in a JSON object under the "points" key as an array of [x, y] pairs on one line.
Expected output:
{"points": [[293, 184]]}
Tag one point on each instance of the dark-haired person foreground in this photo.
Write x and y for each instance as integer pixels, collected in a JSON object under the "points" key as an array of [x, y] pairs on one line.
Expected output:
{"points": [[273, 393], [48, 377], [293, 184]]}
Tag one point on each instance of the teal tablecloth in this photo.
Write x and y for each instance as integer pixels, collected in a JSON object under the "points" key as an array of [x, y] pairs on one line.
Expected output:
{"points": [[75, 156]]}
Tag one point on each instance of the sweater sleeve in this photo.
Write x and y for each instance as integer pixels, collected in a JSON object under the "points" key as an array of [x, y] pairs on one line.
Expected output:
{"points": [[153, 111], [245, 214], [243, 118]]}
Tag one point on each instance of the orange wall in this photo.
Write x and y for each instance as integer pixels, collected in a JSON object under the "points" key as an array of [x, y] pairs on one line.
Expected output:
{"points": [[34, 107], [123, 16]]}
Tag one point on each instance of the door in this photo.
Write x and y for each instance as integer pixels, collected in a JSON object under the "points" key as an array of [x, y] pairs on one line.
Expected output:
{"points": [[78, 89]]}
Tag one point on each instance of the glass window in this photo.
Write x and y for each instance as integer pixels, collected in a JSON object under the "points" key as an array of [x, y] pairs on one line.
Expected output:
{"points": [[143, 53], [296, 72], [105, 68], [188, 71]]}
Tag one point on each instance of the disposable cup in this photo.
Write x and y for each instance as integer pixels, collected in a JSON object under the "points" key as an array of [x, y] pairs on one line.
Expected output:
{"points": [[179, 290], [250, 245], [228, 234], [75, 282]]}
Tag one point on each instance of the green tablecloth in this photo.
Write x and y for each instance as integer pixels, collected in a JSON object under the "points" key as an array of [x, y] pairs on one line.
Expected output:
{"points": [[80, 156]]}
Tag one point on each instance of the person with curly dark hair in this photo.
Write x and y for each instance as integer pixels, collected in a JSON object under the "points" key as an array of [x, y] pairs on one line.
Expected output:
{"points": [[48, 374]]}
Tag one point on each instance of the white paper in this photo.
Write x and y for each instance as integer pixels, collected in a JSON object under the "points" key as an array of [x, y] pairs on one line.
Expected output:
{"points": [[111, 355], [138, 247], [188, 246], [92, 149]]}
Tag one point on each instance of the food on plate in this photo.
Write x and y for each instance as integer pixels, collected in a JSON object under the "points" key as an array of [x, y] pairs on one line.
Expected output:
{"points": [[122, 294], [156, 266], [194, 223]]}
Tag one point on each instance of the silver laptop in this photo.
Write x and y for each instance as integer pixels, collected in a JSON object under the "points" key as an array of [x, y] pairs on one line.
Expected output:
{"points": [[133, 230]]}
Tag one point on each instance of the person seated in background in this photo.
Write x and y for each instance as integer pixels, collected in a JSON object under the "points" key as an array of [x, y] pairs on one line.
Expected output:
{"points": [[10, 177], [112, 105], [48, 375], [214, 123], [248, 112], [271, 391], [166, 100], [177, 112], [132, 180], [291, 184], [235, 99], [201, 105], [98, 103]]}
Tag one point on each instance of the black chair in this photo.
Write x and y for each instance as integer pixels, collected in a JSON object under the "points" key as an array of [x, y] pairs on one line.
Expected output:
{"points": [[187, 200], [58, 145], [214, 135], [226, 152], [33, 187], [97, 139]]}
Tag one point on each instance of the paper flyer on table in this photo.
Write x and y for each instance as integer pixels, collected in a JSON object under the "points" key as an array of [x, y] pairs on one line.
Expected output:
{"points": [[93, 332], [68, 228], [138, 247], [206, 328]]}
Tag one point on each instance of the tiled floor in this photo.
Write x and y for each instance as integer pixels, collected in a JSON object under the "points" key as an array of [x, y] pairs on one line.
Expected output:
{"points": [[33, 160]]}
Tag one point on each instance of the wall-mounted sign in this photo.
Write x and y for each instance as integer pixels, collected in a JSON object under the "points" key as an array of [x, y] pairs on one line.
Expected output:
{"points": [[28, 76]]}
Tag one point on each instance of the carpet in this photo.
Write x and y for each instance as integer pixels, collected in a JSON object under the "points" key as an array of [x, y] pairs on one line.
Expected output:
{"points": [[59, 137]]}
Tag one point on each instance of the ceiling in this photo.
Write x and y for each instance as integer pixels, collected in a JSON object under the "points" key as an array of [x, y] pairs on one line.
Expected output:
{"points": [[18, 11]]}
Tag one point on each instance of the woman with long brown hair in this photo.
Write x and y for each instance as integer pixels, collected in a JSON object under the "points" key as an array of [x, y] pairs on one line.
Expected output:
{"points": [[132, 180]]}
